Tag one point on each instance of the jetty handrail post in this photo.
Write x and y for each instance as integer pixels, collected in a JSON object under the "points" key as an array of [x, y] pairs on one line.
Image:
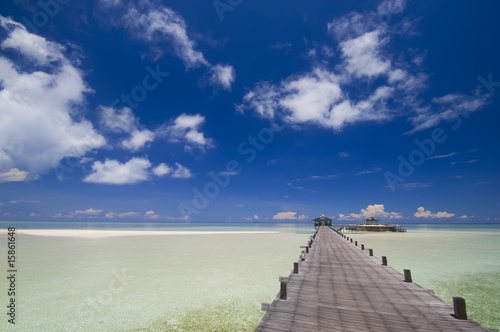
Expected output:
{"points": [[356, 243], [370, 251], [283, 282], [407, 275], [296, 268], [384, 260], [362, 246], [459, 308]]}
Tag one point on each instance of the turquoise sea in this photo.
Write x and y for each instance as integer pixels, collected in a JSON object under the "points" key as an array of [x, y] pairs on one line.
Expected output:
{"points": [[213, 277]]}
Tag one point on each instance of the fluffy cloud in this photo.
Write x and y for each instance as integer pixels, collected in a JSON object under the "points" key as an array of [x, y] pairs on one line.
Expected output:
{"points": [[423, 213], [374, 210], [39, 105], [181, 172], [157, 25], [162, 169], [289, 216], [363, 57], [133, 171], [186, 128], [223, 76], [151, 215], [124, 121], [13, 175], [88, 212], [111, 215], [113, 172], [369, 83]]}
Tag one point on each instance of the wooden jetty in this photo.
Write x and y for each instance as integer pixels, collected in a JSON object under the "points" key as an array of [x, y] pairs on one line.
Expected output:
{"points": [[336, 286]]}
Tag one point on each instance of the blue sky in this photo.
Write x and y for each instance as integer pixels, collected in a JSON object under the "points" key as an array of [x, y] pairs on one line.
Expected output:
{"points": [[248, 110]]}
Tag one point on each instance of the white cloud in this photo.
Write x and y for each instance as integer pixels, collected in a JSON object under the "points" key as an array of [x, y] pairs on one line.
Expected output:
{"points": [[378, 210], [256, 217], [186, 128], [39, 105], [370, 171], [389, 7], [370, 82], [153, 23], [374, 210], [138, 139], [111, 215], [451, 154], [445, 108], [133, 171], [223, 76], [303, 217], [316, 98], [37, 48], [124, 121], [113, 172], [13, 175], [423, 213], [88, 212], [151, 215], [181, 172], [464, 217], [158, 26], [162, 169], [285, 216], [363, 55], [118, 120]]}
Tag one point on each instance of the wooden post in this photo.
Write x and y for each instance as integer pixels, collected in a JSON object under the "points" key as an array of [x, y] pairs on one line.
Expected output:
{"points": [[356, 243], [296, 268], [384, 260], [407, 275], [348, 238], [362, 246], [307, 250], [459, 307], [351, 239], [310, 243], [371, 252], [283, 290]]}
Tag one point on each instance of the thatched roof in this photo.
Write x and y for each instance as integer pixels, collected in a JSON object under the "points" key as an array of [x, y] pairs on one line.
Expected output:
{"points": [[372, 219], [322, 218]]}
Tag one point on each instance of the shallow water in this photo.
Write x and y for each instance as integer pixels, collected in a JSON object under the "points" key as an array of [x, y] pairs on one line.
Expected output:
{"points": [[216, 282], [203, 282], [453, 260]]}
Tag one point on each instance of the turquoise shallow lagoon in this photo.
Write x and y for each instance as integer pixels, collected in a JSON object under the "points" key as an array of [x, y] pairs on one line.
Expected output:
{"points": [[453, 260], [216, 282]]}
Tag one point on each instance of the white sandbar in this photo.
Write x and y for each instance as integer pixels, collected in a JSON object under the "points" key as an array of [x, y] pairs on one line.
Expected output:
{"points": [[87, 233]]}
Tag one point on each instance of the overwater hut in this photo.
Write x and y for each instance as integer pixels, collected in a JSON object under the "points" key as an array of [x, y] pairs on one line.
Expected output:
{"points": [[322, 221]]}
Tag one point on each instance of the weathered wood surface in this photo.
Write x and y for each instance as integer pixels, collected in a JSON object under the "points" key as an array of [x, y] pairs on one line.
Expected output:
{"points": [[340, 288]]}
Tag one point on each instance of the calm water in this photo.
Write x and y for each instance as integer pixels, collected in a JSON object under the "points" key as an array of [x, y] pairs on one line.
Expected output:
{"points": [[216, 282]]}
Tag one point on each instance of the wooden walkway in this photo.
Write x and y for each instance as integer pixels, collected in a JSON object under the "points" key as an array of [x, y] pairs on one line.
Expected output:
{"points": [[339, 287]]}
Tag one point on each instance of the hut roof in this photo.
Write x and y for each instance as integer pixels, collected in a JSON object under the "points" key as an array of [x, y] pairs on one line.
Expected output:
{"points": [[322, 218], [372, 219]]}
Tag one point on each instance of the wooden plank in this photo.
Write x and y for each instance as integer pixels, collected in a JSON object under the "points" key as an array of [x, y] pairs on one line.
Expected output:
{"points": [[341, 288]]}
